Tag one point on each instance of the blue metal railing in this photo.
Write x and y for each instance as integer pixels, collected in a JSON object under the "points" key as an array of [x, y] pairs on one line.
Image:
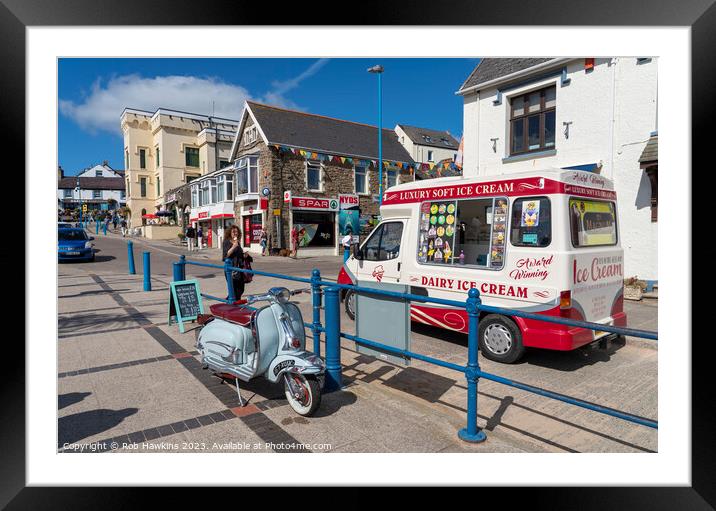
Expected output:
{"points": [[473, 307]]}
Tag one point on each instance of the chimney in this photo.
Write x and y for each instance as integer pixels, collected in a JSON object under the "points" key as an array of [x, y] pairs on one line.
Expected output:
{"points": [[105, 163], [60, 172]]}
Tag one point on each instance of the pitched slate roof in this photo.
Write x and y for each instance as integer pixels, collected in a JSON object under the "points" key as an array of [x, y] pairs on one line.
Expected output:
{"points": [[92, 183], [428, 137], [490, 69], [651, 150], [319, 133]]}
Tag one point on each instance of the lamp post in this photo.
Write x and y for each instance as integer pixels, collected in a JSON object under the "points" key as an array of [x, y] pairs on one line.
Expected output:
{"points": [[79, 197], [378, 69]]}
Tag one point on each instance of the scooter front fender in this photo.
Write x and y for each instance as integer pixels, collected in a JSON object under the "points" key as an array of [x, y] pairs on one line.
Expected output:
{"points": [[302, 362]]}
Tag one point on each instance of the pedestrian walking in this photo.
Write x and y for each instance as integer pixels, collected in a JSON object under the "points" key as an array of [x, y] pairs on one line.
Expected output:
{"points": [[114, 222], [200, 238], [294, 242], [263, 241], [346, 243], [232, 250], [123, 225], [190, 235]]}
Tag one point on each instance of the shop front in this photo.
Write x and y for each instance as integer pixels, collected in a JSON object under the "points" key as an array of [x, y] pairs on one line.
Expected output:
{"points": [[214, 220], [252, 221], [316, 221]]}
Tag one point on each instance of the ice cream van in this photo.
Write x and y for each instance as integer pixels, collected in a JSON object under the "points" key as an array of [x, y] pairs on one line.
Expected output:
{"points": [[544, 242]]}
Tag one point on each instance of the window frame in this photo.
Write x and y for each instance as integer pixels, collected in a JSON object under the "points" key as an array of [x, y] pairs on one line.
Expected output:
{"points": [[143, 187], [616, 222], [381, 226], [551, 216], [488, 267], [142, 158], [158, 154], [387, 177], [366, 180], [524, 118], [96, 194], [320, 175], [189, 150], [247, 164]]}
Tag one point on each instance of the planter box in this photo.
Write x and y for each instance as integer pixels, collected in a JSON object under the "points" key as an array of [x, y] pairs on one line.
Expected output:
{"points": [[633, 292], [161, 232]]}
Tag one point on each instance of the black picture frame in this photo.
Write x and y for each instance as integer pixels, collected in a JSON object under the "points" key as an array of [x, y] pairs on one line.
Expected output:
{"points": [[699, 15]]}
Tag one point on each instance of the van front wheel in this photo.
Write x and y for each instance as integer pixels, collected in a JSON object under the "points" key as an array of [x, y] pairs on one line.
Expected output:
{"points": [[500, 339], [350, 304]]}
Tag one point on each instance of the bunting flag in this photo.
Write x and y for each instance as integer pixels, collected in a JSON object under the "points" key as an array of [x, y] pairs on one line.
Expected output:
{"points": [[340, 159]]}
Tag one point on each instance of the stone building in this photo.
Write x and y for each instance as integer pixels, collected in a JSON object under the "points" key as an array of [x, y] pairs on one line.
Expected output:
{"points": [[316, 173]]}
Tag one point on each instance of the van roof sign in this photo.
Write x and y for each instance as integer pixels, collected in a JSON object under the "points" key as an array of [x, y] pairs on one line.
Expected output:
{"points": [[579, 183]]}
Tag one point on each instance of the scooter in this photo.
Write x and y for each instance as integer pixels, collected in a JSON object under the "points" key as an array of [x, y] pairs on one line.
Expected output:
{"points": [[241, 343]]}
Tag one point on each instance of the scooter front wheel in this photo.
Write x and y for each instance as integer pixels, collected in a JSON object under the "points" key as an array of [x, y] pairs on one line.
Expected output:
{"points": [[307, 398]]}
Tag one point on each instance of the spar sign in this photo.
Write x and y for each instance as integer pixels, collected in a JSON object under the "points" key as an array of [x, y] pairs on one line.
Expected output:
{"points": [[314, 204]]}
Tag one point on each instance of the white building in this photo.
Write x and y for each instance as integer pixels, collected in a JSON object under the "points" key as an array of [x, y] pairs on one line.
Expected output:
{"points": [[426, 145], [594, 114], [95, 186]]}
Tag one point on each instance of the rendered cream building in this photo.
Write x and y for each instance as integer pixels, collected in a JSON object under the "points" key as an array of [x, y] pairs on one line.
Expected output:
{"points": [[165, 149], [592, 114]]}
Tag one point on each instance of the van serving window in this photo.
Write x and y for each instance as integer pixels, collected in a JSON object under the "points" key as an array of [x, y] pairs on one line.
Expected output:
{"points": [[384, 242], [531, 222], [467, 232], [592, 223]]}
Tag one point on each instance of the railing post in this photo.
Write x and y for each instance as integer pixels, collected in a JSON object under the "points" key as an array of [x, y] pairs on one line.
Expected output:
{"points": [[229, 280], [316, 294], [104, 228], [182, 262], [96, 227], [176, 272], [472, 433], [147, 270], [333, 340], [130, 257]]}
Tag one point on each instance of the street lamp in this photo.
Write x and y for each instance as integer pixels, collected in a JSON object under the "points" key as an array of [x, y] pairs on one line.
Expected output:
{"points": [[378, 69], [79, 197]]}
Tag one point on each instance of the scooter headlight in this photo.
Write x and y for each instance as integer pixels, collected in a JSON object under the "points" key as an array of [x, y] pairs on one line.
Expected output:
{"points": [[282, 294]]}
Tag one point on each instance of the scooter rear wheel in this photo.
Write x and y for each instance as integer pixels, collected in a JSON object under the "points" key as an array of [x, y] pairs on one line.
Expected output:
{"points": [[309, 402]]}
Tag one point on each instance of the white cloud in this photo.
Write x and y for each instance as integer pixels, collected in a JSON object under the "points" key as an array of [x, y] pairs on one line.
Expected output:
{"points": [[101, 108]]}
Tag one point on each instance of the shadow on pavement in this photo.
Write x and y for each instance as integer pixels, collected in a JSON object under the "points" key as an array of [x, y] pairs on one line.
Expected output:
{"points": [[571, 360], [92, 293], [82, 322], [65, 400], [419, 383], [331, 403], [75, 427]]}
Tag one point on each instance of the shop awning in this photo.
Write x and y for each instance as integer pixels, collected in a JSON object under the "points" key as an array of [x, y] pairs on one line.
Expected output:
{"points": [[650, 155]]}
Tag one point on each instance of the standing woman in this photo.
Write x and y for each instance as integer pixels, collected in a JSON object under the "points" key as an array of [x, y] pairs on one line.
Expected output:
{"points": [[232, 250]]}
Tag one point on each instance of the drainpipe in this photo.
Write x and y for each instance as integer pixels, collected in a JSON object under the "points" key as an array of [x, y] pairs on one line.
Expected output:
{"points": [[615, 60]]}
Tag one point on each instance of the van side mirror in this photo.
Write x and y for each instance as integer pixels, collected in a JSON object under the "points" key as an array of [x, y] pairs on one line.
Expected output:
{"points": [[357, 252], [91, 238]]}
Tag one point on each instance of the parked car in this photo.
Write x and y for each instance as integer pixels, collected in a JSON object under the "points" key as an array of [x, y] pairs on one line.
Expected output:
{"points": [[74, 245], [65, 225]]}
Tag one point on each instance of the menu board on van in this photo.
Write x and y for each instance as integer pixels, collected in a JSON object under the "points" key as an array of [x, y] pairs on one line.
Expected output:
{"points": [[499, 226], [436, 243]]}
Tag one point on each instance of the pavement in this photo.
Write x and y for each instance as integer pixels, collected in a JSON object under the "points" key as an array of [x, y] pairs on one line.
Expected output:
{"points": [[128, 382]]}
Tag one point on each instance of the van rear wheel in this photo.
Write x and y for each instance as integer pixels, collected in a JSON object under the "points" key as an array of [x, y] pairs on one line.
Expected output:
{"points": [[500, 339]]}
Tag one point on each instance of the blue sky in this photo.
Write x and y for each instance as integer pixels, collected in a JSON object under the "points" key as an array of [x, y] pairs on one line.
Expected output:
{"points": [[93, 92]]}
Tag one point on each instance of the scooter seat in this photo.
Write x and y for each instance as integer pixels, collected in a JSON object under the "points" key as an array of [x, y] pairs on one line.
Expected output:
{"points": [[235, 313]]}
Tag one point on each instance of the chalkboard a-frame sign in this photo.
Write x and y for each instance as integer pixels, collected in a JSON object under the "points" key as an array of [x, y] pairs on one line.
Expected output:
{"points": [[184, 302]]}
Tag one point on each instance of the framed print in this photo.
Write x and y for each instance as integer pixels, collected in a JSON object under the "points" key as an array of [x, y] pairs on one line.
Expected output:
{"points": [[197, 109]]}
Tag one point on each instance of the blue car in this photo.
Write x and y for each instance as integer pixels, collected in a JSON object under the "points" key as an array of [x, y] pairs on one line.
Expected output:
{"points": [[74, 245]]}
